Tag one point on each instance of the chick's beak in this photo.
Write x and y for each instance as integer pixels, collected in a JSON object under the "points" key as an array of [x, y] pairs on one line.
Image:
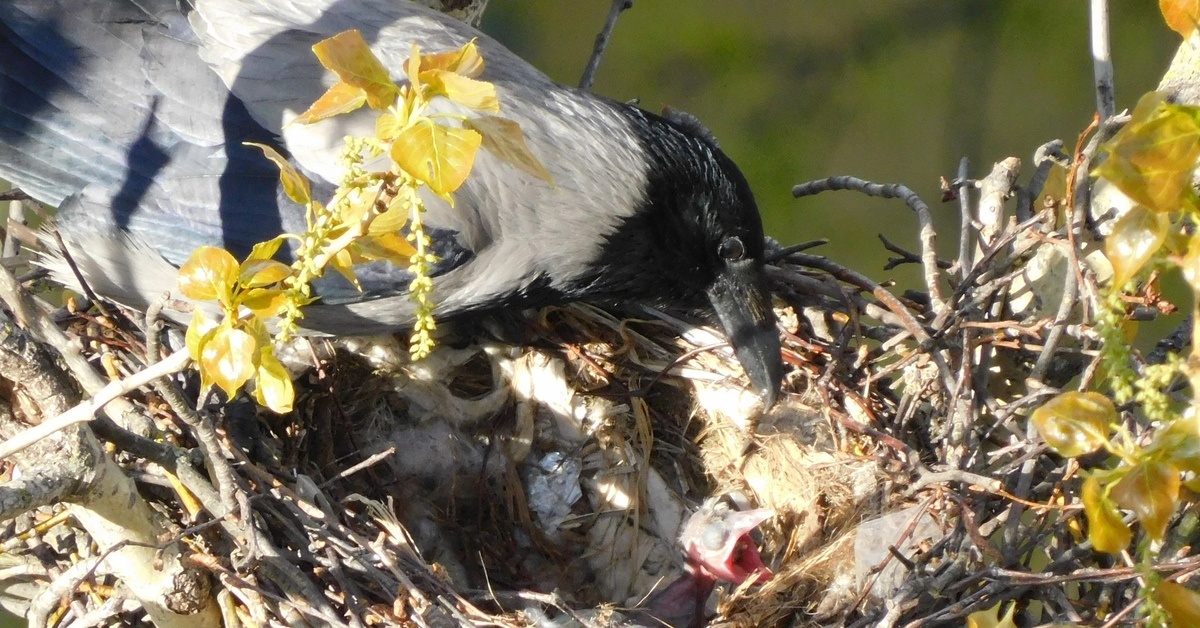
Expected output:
{"points": [[743, 305], [717, 541]]}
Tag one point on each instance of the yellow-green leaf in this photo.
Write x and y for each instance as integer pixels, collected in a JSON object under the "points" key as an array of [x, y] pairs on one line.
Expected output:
{"points": [[266, 250], [348, 55], [465, 91], [1179, 443], [465, 61], [1181, 15], [229, 358], [1189, 264], [256, 273], [1151, 491], [437, 156], [1075, 423], [264, 302], [1180, 602], [503, 138], [1151, 159], [295, 185], [1106, 529], [343, 262], [393, 219], [341, 98], [210, 274], [361, 202], [1134, 240], [389, 247], [257, 329], [273, 386], [990, 618], [412, 66], [387, 126], [198, 333]]}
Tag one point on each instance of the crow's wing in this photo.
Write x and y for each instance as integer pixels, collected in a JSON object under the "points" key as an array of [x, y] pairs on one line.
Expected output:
{"points": [[522, 234], [133, 117]]}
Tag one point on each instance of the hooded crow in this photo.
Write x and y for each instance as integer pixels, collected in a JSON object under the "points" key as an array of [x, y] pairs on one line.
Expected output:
{"points": [[131, 116]]}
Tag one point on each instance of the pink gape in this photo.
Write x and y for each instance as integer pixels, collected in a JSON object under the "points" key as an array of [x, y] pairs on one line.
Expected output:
{"points": [[717, 546]]}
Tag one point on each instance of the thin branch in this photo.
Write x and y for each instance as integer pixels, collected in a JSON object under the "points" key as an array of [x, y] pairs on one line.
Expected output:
{"points": [[965, 263], [16, 216], [994, 189], [1081, 197], [784, 252], [906, 318], [928, 236], [906, 256], [1045, 157], [593, 64], [87, 410], [1102, 67]]}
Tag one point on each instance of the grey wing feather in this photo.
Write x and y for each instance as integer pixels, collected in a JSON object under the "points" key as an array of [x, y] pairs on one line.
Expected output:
{"points": [[151, 81], [517, 226]]}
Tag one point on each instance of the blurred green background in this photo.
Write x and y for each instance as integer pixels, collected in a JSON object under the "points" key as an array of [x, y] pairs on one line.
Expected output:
{"points": [[892, 91], [888, 91]]}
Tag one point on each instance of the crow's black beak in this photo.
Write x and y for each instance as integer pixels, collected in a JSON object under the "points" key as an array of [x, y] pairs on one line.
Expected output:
{"points": [[743, 304]]}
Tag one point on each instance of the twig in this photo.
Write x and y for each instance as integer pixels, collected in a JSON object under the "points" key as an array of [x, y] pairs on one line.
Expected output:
{"points": [[209, 445], [1080, 195], [994, 189], [894, 190], [87, 410], [365, 464], [906, 256], [1045, 158], [906, 318], [593, 64], [41, 606], [783, 253], [16, 216], [927, 477], [965, 263], [1102, 67]]}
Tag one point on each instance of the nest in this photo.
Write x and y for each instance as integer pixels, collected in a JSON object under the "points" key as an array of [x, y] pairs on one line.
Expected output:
{"points": [[536, 470]]}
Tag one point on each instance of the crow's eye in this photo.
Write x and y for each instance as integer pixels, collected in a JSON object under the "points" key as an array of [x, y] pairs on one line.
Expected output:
{"points": [[732, 249]]}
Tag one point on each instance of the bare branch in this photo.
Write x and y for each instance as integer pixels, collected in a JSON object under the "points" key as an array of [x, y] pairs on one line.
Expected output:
{"points": [[1102, 67], [928, 236], [593, 64], [87, 410]]}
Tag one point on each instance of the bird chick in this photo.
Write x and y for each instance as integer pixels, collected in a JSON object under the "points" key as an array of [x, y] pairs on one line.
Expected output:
{"points": [[717, 547]]}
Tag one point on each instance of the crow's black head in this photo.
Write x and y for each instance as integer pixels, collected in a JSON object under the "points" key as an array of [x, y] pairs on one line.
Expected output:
{"points": [[696, 239]]}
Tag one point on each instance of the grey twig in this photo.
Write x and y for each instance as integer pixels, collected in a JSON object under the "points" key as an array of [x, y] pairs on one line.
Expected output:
{"points": [[964, 210], [1081, 201], [897, 307], [1044, 158], [593, 64], [1102, 67], [994, 189], [16, 215], [928, 236]]}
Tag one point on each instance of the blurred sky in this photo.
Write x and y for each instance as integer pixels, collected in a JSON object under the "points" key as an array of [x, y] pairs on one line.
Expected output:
{"points": [[892, 91]]}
